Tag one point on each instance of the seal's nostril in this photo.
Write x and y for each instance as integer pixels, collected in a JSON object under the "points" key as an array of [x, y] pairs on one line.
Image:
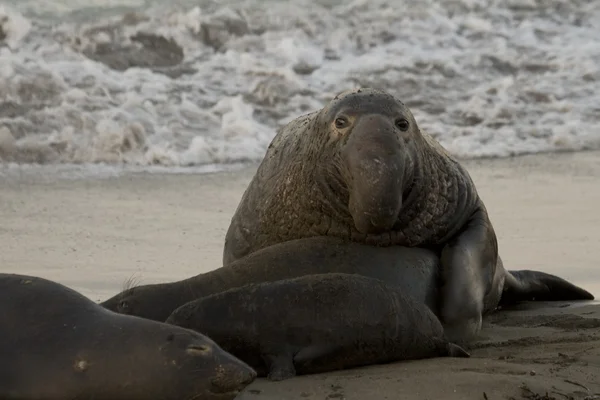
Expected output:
{"points": [[231, 378]]}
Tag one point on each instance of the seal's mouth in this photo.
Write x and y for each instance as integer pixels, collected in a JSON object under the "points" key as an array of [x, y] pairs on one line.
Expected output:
{"points": [[230, 383], [215, 395], [209, 394], [223, 395], [374, 212], [376, 223]]}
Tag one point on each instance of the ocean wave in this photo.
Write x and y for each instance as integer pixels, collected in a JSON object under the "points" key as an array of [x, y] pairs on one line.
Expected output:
{"points": [[181, 86]]}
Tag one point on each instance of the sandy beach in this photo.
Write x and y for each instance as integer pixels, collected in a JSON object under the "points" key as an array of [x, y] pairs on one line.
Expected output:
{"points": [[94, 234]]}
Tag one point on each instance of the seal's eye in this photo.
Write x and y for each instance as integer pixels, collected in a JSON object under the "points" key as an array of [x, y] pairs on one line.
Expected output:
{"points": [[402, 124], [198, 350], [123, 306], [341, 122]]}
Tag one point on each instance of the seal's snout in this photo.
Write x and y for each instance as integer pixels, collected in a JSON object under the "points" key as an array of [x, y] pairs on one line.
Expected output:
{"points": [[232, 377], [374, 158], [382, 222]]}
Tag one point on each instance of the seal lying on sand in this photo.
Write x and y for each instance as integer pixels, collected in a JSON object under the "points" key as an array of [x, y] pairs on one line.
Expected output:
{"points": [[58, 344], [361, 170], [414, 270], [317, 323]]}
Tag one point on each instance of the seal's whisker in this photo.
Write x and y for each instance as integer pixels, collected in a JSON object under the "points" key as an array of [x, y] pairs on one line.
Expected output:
{"points": [[131, 282]]}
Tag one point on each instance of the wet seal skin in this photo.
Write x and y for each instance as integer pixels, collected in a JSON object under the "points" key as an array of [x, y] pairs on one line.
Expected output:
{"points": [[57, 344], [360, 169], [317, 323], [414, 270]]}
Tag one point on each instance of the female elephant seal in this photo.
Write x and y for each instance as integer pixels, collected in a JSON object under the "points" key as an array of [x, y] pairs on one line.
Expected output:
{"points": [[317, 323], [361, 170], [56, 344], [413, 270]]}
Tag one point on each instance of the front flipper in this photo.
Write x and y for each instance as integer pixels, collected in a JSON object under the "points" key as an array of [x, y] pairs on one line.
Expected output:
{"points": [[314, 352], [324, 357], [280, 366], [454, 350], [526, 285], [468, 272]]}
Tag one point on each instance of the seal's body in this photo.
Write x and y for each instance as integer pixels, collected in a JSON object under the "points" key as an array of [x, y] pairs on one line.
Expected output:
{"points": [[413, 270], [361, 170], [317, 323], [57, 344]]}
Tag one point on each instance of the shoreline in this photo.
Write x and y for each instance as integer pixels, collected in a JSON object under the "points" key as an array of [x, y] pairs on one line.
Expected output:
{"points": [[95, 234], [13, 170], [543, 208]]}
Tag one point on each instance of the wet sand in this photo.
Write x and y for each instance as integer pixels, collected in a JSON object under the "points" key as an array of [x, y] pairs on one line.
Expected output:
{"points": [[94, 234]]}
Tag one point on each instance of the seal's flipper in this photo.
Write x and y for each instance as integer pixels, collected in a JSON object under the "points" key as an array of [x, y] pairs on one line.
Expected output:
{"points": [[455, 350], [527, 285], [449, 349], [468, 263], [280, 366], [311, 353]]}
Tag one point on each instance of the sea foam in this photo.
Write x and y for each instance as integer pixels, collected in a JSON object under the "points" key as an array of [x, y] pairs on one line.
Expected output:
{"points": [[184, 85]]}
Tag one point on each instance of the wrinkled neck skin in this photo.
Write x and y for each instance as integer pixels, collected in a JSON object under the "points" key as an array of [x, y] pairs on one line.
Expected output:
{"points": [[438, 197], [301, 192]]}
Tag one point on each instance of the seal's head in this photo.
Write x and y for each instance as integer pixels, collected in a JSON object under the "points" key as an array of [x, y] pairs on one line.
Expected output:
{"points": [[153, 301], [376, 139], [223, 375], [155, 357], [65, 346]]}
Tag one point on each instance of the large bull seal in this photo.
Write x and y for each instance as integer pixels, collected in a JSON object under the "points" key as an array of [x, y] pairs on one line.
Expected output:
{"points": [[361, 170], [317, 323], [58, 344]]}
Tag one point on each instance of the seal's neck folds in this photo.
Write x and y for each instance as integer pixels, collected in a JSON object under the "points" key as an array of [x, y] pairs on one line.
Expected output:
{"points": [[442, 196], [439, 196]]}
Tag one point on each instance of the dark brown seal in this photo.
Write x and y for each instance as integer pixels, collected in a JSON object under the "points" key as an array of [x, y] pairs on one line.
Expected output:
{"points": [[361, 170], [57, 344], [414, 270], [317, 323]]}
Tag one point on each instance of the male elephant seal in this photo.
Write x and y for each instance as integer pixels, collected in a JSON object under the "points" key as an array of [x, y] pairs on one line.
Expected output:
{"points": [[361, 170], [317, 323], [57, 344]]}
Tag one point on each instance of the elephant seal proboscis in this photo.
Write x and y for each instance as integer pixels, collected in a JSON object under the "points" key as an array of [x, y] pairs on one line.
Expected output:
{"points": [[360, 169], [317, 323], [57, 344]]}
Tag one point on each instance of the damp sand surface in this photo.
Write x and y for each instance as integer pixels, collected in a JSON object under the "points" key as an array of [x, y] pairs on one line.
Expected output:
{"points": [[96, 233]]}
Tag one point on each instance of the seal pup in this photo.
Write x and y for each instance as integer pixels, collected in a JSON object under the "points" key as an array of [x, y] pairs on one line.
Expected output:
{"points": [[360, 169], [57, 344], [317, 323]]}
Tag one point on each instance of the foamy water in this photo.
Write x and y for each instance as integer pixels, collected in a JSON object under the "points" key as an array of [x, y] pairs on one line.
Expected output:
{"points": [[185, 84]]}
